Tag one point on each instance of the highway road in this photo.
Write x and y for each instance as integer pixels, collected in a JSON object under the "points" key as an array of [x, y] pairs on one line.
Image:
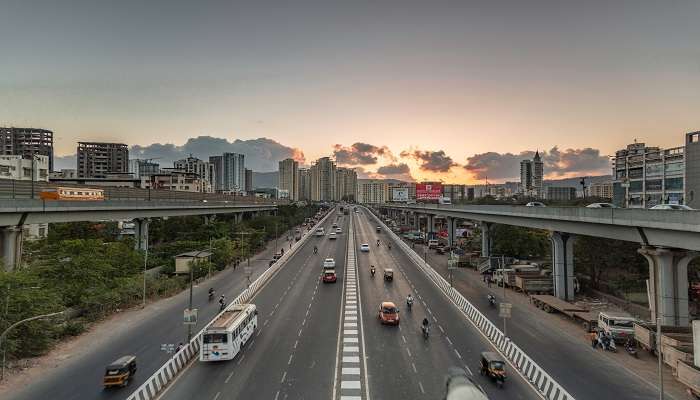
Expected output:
{"points": [[81, 377], [564, 357], [298, 353]]}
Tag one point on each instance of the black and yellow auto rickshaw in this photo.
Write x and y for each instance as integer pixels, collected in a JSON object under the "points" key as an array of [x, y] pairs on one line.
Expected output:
{"points": [[493, 366], [120, 372]]}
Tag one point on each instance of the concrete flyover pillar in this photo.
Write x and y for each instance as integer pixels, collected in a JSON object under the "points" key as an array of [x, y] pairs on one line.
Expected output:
{"points": [[11, 238], [563, 262], [430, 223], [451, 231], [486, 239], [668, 284], [141, 233], [416, 221]]}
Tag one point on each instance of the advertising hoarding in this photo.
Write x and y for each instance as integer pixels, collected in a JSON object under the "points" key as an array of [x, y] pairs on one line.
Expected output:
{"points": [[399, 194], [428, 191]]}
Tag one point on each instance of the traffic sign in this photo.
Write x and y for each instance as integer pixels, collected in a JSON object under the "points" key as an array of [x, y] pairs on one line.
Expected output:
{"points": [[504, 311], [451, 264], [168, 348], [190, 316]]}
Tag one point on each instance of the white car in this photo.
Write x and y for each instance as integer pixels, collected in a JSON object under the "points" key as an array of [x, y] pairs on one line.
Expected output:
{"points": [[364, 247], [535, 204], [672, 207], [332, 236], [338, 230], [328, 263], [602, 205]]}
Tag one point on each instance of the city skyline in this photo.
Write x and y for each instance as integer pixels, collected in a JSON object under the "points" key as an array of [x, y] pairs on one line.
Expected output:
{"points": [[440, 81]]}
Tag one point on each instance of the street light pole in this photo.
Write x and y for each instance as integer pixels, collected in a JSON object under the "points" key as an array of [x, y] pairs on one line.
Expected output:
{"points": [[660, 357], [2, 336], [145, 264]]}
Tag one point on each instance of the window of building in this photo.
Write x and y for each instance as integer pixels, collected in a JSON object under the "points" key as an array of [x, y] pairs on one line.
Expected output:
{"points": [[674, 198], [674, 184], [654, 185], [655, 170], [635, 201], [653, 199], [635, 173], [635, 186], [27, 172], [621, 174], [674, 168]]}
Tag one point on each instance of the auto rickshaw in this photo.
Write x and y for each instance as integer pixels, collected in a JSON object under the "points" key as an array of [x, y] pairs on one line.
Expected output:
{"points": [[120, 372], [388, 274], [493, 366]]}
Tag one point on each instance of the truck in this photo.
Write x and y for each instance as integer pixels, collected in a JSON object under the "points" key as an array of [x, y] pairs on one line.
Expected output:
{"points": [[645, 334], [534, 284], [550, 304]]}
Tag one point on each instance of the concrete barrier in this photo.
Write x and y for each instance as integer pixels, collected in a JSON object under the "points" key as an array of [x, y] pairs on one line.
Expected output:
{"points": [[165, 374], [539, 379]]}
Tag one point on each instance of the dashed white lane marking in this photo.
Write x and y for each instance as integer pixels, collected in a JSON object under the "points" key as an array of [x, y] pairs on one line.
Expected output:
{"points": [[458, 355], [217, 395], [413, 365], [421, 387], [284, 376], [228, 378], [350, 362], [448, 339]]}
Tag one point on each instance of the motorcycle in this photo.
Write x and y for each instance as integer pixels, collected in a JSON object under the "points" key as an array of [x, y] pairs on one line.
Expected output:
{"points": [[631, 347], [315, 250], [372, 271], [608, 344], [492, 300], [426, 331], [389, 246], [409, 304], [211, 296]]}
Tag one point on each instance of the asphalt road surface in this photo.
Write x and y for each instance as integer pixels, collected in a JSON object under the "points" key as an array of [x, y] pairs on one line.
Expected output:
{"points": [[294, 354], [81, 377]]}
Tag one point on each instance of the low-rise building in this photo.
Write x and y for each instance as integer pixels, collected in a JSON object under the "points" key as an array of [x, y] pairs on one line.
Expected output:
{"points": [[184, 261], [27, 168], [176, 180]]}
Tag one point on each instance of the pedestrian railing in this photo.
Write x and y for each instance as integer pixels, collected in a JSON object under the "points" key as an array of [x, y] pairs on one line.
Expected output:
{"points": [[536, 375], [165, 374]]}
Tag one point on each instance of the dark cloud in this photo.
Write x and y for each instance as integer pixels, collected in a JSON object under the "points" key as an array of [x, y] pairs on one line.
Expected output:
{"points": [[394, 169], [360, 154], [433, 161], [261, 154], [556, 163]]}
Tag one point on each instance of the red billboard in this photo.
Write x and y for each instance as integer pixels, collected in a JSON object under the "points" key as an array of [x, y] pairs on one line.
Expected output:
{"points": [[428, 191]]}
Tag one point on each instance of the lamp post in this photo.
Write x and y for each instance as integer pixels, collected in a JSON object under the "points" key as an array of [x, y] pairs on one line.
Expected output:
{"points": [[9, 328], [196, 257], [145, 261]]}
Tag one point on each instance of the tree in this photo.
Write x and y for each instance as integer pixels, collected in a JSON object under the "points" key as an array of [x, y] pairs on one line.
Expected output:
{"points": [[519, 242]]}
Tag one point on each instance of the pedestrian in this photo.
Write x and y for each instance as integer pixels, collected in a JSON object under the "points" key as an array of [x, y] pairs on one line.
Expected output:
{"points": [[594, 338]]}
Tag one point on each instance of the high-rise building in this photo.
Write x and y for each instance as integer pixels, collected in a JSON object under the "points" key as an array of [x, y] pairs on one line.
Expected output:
{"points": [[373, 191], [139, 168], [203, 169], [27, 142], [323, 180], [345, 184], [97, 159], [288, 176], [532, 176], [233, 173], [248, 181], [304, 184], [217, 163]]}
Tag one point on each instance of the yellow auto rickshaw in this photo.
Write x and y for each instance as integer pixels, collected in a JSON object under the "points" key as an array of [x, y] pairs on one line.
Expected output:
{"points": [[120, 372], [493, 366]]}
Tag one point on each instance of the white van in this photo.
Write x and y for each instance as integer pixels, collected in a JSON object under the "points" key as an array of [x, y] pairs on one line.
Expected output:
{"points": [[320, 232]]}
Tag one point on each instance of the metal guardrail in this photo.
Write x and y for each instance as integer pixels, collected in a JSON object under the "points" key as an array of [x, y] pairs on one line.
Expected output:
{"points": [[14, 189], [165, 374], [536, 375]]}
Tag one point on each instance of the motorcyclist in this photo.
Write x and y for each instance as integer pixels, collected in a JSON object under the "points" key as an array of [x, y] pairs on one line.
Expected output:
{"points": [[389, 245], [409, 301], [377, 242], [426, 327], [315, 249], [222, 300], [372, 270], [492, 299], [211, 293]]}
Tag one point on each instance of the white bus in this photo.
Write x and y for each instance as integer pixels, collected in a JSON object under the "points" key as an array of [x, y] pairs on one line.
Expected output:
{"points": [[223, 339], [320, 232]]}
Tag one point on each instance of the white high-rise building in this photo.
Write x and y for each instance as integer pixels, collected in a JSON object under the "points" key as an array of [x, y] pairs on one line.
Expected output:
{"points": [[532, 176], [289, 178], [323, 180], [233, 173]]}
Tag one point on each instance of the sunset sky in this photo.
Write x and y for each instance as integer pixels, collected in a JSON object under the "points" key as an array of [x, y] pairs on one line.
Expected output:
{"points": [[439, 85]]}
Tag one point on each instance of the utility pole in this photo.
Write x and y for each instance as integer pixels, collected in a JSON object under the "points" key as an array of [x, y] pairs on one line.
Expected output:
{"points": [[660, 356], [145, 265], [503, 282]]}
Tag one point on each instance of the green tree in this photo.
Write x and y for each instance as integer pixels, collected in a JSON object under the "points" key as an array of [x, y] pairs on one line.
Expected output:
{"points": [[519, 242]]}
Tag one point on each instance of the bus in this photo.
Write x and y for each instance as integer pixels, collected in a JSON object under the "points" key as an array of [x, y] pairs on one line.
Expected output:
{"points": [[224, 337], [320, 232]]}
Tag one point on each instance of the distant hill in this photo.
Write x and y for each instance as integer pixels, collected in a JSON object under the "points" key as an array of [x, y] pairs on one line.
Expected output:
{"points": [[576, 182], [265, 179]]}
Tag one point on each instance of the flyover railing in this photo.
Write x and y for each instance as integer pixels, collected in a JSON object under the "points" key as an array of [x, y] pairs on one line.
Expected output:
{"points": [[536, 375], [164, 375], [14, 189]]}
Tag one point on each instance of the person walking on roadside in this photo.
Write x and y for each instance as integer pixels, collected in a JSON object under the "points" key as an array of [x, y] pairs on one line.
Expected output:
{"points": [[594, 339]]}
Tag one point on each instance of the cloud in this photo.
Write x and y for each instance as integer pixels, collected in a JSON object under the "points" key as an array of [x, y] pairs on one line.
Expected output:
{"points": [[261, 154], [394, 169], [360, 154], [65, 162], [433, 161], [557, 163]]}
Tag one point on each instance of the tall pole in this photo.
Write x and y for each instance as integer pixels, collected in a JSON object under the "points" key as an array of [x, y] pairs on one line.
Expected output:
{"points": [[145, 266], [660, 357], [189, 326], [503, 282]]}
